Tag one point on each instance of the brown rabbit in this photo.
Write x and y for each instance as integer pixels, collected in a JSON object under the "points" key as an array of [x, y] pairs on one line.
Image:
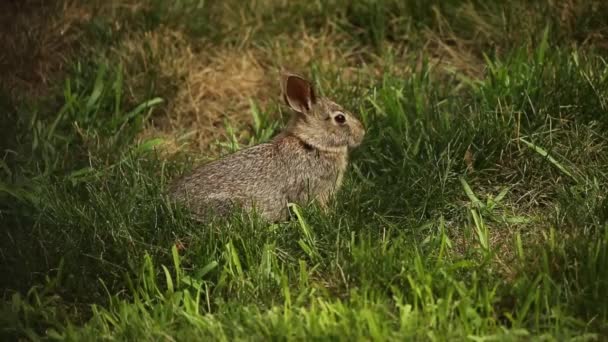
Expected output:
{"points": [[304, 162]]}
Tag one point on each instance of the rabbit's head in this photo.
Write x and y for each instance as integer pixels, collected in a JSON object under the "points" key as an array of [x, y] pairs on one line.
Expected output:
{"points": [[319, 121]]}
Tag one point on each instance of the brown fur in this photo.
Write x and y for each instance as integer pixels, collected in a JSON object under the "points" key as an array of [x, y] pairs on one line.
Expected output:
{"points": [[305, 162]]}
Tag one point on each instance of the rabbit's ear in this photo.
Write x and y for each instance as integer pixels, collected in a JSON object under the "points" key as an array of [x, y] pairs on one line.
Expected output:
{"points": [[298, 93]]}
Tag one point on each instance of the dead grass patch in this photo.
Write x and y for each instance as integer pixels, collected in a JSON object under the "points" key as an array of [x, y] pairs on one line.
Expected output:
{"points": [[203, 85], [213, 85]]}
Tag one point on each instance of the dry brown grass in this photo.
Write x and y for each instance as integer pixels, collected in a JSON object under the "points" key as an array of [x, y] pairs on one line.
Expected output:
{"points": [[216, 84], [208, 85]]}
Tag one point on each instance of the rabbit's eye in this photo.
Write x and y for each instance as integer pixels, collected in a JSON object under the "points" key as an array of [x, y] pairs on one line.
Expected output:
{"points": [[340, 118]]}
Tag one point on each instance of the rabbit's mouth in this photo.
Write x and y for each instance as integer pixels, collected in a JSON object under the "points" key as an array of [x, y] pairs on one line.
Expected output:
{"points": [[354, 143]]}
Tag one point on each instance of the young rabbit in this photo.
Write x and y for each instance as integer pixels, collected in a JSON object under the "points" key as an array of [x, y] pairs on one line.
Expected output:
{"points": [[304, 162]]}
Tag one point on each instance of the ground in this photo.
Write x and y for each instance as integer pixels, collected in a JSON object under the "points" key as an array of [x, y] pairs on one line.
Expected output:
{"points": [[475, 209]]}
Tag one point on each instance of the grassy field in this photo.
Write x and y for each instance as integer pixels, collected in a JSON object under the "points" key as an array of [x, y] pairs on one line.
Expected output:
{"points": [[476, 208]]}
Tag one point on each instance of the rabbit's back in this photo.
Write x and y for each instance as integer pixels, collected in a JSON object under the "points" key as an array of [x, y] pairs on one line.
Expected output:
{"points": [[266, 176], [237, 171], [243, 178]]}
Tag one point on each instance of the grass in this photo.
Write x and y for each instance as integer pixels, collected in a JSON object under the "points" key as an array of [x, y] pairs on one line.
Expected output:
{"points": [[475, 209]]}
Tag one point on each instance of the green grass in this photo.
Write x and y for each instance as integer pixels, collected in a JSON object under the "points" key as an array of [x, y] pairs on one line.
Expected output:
{"points": [[475, 209]]}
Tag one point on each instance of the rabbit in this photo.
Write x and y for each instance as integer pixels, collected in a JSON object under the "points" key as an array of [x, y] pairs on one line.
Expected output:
{"points": [[304, 162]]}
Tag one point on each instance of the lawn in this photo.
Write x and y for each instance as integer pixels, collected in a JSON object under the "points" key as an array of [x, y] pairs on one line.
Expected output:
{"points": [[475, 209]]}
